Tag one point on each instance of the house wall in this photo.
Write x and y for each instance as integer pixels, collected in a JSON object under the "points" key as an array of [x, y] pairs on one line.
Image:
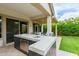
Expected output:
{"points": [[3, 38], [9, 13]]}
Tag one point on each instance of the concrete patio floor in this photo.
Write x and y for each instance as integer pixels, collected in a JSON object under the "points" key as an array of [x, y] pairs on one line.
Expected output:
{"points": [[10, 51]]}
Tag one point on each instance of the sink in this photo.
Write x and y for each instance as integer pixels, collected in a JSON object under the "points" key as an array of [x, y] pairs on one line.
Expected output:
{"points": [[37, 37]]}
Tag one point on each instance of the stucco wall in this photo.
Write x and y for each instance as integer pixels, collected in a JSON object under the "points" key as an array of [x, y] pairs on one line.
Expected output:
{"points": [[3, 38]]}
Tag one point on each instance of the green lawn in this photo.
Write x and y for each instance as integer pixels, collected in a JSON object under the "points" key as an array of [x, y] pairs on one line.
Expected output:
{"points": [[70, 44]]}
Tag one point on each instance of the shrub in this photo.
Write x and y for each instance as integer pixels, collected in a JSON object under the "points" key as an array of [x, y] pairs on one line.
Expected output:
{"points": [[69, 27]]}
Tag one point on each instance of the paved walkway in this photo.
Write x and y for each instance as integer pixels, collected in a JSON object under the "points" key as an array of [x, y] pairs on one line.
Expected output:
{"points": [[61, 52]]}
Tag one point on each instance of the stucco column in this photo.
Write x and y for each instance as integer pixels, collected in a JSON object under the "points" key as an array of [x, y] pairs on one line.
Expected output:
{"points": [[4, 30], [49, 27], [42, 28], [56, 30], [30, 27]]}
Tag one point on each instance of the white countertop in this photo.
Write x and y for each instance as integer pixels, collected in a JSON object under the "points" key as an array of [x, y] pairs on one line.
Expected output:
{"points": [[42, 47], [31, 37]]}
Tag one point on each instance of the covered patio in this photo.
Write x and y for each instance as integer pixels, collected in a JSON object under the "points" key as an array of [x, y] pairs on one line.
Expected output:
{"points": [[20, 20]]}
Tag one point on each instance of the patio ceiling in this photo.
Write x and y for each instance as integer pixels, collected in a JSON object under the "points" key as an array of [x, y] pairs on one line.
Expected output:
{"points": [[32, 11]]}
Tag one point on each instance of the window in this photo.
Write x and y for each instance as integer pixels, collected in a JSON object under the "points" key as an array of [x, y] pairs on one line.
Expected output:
{"points": [[35, 27], [44, 28], [23, 27], [12, 29]]}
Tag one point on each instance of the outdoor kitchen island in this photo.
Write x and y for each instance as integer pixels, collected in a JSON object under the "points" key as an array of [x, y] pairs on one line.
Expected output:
{"points": [[38, 45]]}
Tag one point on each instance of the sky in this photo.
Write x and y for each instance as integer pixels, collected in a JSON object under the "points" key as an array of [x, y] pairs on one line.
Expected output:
{"points": [[66, 10]]}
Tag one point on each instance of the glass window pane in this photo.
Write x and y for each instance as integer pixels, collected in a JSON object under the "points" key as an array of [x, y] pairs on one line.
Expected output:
{"points": [[45, 28], [23, 27], [12, 29]]}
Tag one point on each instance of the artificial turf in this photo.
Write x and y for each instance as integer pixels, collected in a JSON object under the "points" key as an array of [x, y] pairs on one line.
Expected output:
{"points": [[70, 44]]}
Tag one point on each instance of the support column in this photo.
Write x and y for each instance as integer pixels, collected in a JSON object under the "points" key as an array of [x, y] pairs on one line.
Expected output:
{"points": [[42, 28], [30, 29], [56, 29], [49, 27], [4, 30]]}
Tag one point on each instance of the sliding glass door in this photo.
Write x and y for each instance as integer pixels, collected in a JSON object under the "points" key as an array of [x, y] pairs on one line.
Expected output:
{"points": [[36, 27], [23, 27], [12, 29]]}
